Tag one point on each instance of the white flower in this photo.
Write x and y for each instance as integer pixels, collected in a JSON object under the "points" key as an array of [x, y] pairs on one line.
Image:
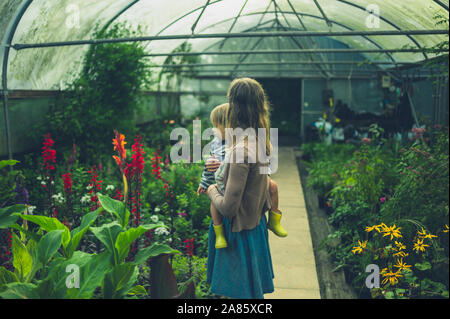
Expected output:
{"points": [[43, 183], [59, 198], [31, 209], [39, 178], [110, 187], [154, 218], [157, 210], [85, 199], [89, 187], [161, 231]]}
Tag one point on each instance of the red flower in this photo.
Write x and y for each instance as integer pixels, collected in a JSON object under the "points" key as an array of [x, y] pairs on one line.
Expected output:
{"points": [[48, 154], [189, 246], [137, 165], [95, 184], [118, 195], [67, 180]]}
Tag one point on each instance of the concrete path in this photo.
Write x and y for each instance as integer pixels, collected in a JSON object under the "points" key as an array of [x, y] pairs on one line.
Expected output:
{"points": [[292, 256]]}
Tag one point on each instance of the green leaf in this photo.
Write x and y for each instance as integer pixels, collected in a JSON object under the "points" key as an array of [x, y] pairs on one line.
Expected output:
{"points": [[115, 207], [423, 266], [22, 260], [117, 279], [153, 251], [126, 238], [78, 232], [92, 275], [7, 277], [18, 290], [9, 215], [8, 163], [107, 234], [49, 224], [138, 290], [49, 245], [54, 285]]}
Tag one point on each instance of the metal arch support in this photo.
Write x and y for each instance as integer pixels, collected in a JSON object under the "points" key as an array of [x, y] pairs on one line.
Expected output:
{"points": [[388, 22], [179, 19], [7, 46], [329, 24], [199, 16], [110, 21], [296, 14], [443, 5]]}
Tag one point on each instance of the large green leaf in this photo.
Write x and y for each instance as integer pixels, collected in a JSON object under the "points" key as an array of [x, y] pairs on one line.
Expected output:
{"points": [[22, 260], [77, 233], [120, 277], [107, 234], [49, 224], [49, 245], [54, 286], [8, 163], [126, 238], [153, 251], [92, 275], [7, 277], [115, 207], [9, 215], [18, 290]]}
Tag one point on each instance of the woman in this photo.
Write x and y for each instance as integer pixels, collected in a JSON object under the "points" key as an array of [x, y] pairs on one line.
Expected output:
{"points": [[244, 268]]}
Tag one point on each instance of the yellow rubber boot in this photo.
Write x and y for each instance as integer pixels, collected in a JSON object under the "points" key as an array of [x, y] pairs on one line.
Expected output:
{"points": [[221, 242], [274, 224]]}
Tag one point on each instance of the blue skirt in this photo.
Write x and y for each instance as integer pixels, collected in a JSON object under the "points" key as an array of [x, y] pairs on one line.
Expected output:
{"points": [[244, 269]]}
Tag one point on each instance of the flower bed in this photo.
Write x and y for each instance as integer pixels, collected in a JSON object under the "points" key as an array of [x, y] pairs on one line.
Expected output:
{"points": [[389, 205], [130, 224]]}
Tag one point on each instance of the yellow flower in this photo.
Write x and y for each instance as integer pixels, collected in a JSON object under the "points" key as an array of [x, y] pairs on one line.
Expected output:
{"points": [[400, 254], [376, 227], [400, 246], [419, 246], [445, 229], [391, 277], [402, 266], [429, 236], [392, 231], [423, 234], [359, 249]]}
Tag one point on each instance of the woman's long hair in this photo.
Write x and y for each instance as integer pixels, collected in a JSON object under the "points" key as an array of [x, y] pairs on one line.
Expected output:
{"points": [[248, 107]]}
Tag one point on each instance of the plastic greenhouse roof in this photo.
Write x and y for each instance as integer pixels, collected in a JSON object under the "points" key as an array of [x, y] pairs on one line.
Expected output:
{"points": [[68, 20]]}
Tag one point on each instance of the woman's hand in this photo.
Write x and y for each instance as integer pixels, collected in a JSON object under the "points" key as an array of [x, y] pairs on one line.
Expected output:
{"points": [[201, 190], [212, 164], [211, 187]]}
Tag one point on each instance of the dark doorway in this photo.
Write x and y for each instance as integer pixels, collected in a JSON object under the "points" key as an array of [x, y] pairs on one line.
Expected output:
{"points": [[285, 99]]}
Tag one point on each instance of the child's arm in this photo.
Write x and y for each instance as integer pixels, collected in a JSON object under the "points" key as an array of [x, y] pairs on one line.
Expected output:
{"points": [[207, 179]]}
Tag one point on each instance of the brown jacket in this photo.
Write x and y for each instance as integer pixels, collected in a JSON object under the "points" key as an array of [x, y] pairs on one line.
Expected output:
{"points": [[246, 196]]}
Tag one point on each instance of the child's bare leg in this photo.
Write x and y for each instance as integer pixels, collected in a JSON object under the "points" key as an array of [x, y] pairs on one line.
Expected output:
{"points": [[215, 215], [273, 192]]}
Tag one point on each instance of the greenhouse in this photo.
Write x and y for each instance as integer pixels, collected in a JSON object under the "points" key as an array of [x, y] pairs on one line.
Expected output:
{"points": [[121, 119]]}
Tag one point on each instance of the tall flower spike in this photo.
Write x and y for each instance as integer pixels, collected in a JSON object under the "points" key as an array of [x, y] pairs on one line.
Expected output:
{"points": [[119, 144]]}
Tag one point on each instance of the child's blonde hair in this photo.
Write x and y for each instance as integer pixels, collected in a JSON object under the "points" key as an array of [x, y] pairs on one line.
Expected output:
{"points": [[218, 116]]}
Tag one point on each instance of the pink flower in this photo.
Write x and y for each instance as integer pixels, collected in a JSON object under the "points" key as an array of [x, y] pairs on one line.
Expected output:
{"points": [[366, 140], [382, 199]]}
